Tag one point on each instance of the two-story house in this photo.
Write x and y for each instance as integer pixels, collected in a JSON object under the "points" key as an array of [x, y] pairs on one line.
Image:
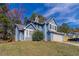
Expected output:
{"points": [[49, 29]]}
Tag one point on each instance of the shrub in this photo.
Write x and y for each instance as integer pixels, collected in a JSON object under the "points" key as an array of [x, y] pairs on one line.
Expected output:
{"points": [[37, 36]]}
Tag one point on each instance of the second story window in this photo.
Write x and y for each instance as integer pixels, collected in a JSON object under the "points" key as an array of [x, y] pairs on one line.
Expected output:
{"points": [[55, 28], [52, 27]]}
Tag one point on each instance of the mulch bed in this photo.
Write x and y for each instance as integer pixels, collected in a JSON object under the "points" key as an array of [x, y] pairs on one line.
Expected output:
{"points": [[5, 41]]}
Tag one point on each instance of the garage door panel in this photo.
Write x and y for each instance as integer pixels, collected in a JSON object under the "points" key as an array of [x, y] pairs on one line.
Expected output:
{"points": [[57, 37]]}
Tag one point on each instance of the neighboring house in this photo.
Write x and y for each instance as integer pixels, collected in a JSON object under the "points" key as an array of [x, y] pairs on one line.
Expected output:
{"points": [[74, 34], [49, 29]]}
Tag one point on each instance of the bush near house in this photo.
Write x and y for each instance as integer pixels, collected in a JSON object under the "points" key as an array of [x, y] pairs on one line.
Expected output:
{"points": [[37, 36]]}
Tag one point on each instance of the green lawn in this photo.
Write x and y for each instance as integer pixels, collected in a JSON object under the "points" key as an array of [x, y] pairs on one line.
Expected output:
{"points": [[38, 48]]}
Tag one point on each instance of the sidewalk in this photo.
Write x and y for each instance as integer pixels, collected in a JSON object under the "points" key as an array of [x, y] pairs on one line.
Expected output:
{"points": [[72, 43]]}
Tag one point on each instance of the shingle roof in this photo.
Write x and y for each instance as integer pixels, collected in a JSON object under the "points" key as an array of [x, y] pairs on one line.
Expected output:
{"points": [[51, 18], [20, 27], [76, 30]]}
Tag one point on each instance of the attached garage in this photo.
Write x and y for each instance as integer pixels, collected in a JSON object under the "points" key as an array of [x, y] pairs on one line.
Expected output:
{"points": [[56, 36]]}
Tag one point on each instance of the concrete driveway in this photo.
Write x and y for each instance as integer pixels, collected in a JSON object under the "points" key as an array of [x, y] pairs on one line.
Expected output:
{"points": [[72, 43]]}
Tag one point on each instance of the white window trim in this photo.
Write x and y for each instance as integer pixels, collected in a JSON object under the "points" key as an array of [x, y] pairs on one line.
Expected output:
{"points": [[55, 27], [29, 32]]}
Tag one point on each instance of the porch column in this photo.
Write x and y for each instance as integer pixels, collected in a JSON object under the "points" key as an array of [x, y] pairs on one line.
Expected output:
{"points": [[51, 36], [45, 32], [24, 34], [16, 34]]}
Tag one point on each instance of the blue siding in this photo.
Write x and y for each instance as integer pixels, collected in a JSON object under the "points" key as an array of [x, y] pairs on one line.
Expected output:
{"points": [[48, 26], [44, 29], [48, 36], [45, 32], [16, 34], [51, 36], [34, 26], [21, 36], [40, 28]]}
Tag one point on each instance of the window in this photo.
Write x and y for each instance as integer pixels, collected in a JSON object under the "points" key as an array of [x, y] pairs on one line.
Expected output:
{"points": [[55, 28], [52, 27], [30, 33], [26, 32]]}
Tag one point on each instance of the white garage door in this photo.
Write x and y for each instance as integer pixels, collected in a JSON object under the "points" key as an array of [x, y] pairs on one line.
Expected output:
{"points": [[57, 37]]}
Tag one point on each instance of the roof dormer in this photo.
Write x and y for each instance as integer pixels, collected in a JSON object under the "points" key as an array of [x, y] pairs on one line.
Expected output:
{"points": [[52, 21], [52, 24]]}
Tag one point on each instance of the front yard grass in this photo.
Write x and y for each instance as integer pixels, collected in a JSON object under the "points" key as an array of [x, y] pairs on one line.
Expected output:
{"points": [[40, 48]]}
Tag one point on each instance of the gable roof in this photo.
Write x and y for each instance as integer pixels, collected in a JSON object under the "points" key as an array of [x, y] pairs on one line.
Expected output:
{"points": [[29, 25], [19, 26], [29, 21], [51, 18], [77, 30]]}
